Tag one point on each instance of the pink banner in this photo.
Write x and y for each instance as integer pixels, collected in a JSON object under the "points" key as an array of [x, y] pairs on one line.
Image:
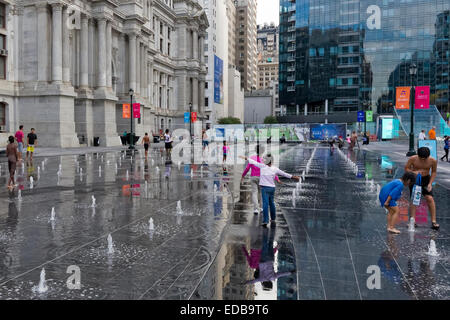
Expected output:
{"points": [[136, 110], [422, 97]]}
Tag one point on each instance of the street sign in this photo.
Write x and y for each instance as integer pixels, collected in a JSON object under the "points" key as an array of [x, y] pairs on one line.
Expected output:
{"points": [[186, 117], [361, 116], [136, 110], [369, 116], [126, 111]]}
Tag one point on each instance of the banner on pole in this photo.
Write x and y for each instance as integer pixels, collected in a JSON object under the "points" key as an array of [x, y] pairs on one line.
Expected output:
{"points": [[422, 97], [361, 116], [186, 117], [126, 111], [369, 116], [194, 116], [136, 110], [402, 97]]}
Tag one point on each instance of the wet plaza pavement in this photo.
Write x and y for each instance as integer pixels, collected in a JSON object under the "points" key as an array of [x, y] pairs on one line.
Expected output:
{"points": [[323, 243]]}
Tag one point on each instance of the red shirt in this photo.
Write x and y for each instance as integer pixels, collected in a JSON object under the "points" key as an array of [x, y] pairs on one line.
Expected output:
{"points": [[19, 136]]}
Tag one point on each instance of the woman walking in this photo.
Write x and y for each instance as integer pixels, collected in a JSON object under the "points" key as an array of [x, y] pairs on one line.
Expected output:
{"points": [[168, 144], [13, 155], [446, 147], [267, 184]]}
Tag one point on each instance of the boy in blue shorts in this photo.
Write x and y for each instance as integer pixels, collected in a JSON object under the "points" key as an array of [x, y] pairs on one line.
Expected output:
{"points": [[390, 193]]}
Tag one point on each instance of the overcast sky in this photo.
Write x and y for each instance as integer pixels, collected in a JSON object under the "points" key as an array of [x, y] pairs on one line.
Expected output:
{"points": [[268, 11]]}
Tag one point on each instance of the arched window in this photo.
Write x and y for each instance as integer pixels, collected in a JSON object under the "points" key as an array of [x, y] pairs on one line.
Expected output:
{"points": [[2, 117]]}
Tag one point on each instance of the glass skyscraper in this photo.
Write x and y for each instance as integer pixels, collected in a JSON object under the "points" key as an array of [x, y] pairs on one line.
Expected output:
{"points": [[354, 53]]}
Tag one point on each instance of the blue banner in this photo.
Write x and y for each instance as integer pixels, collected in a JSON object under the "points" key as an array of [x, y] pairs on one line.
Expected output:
{"points": [[187, 117], [361, 116], [218, 80]]}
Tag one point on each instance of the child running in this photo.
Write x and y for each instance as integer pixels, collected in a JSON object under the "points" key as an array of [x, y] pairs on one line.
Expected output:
{"points": [[390, 193]]}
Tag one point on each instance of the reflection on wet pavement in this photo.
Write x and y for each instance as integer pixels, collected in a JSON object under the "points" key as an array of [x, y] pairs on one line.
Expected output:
{"points": [[163, 263], [330, 232]]}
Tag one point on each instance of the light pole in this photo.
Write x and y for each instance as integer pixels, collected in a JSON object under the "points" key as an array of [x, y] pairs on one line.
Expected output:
{"points": [[190, 119], [412, 72], [131, 92]]}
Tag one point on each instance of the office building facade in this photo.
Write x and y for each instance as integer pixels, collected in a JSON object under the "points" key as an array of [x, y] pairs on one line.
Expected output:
{"points": [[353, 53]]}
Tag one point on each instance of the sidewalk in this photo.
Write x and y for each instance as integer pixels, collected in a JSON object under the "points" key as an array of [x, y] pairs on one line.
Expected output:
{"points": [[397, 150]]}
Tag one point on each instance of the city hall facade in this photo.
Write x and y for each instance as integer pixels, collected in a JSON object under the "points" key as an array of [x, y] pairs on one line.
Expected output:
{"points": [[351, 54], [66, 67]]}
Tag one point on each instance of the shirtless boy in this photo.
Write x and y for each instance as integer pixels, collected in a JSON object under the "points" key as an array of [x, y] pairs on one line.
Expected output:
{"points": [[422, 163], [146, 143]]}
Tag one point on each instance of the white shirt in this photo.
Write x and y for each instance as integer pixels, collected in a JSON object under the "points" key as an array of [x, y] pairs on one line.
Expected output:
{"points": [[167, 138], [267, 176], [422, 136]]}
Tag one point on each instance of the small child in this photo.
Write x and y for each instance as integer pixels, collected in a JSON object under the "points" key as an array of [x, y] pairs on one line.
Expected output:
{"points": [[225, 151], [390, 193]]}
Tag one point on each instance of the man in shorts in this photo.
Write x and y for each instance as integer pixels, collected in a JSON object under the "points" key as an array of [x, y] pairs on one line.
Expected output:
{"points": [[31, 143], [19, 138], [168, 144], [422, 164], [146, 143]]}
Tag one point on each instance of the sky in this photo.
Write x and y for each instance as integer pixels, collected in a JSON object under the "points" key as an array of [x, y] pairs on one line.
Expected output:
{"points": [[268, 11]]}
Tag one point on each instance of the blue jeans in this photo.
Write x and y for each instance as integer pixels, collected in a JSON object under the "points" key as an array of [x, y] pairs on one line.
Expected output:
{"points": [[268, 194]]}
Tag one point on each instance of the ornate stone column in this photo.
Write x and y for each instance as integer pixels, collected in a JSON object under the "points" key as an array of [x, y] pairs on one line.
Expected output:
{"points": [[195, 94], [108, 54], [84, 52], [66, 47], [138, 66], [57, 43], [101, 71], [195, 45], [42, 41], [132, 62]]}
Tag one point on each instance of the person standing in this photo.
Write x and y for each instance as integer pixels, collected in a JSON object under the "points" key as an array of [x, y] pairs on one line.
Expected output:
{"points": [[421, 164], [19, 138], [353, 140], [31, 143], [225, 150], [267, 184], [146, 143], [446, 147], [168, 144], [254, 180], [432, 133], [124, 138], [205, 142], [422, 135], [13, 155]]}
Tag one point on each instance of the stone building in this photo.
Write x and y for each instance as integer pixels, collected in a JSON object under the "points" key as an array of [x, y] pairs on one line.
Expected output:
{"points": [[70, 64]]}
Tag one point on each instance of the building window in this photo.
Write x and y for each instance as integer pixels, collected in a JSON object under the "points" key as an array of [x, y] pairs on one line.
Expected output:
{"points": [[2, 117], [2, 58], [161, 28], [206, 102], [161, 45], [2, 15]]}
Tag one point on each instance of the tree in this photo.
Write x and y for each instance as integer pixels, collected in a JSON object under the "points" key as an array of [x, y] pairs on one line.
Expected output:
{"points": [[270, 120], [229, 120]]}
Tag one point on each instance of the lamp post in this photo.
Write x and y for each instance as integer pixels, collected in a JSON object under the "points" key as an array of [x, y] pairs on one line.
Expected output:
{"points": [[131, 92], [190, 119], [412, 72]]}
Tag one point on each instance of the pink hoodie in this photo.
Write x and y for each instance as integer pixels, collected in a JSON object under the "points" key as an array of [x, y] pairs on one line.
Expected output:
{"points": [[255, 170]]}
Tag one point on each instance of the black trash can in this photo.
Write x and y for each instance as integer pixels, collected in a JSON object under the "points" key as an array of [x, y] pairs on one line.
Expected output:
{"points": [[96, 141]]}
